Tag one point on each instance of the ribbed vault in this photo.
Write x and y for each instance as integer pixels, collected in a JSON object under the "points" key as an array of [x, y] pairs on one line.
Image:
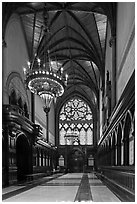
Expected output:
{"points": [[76, 40]]}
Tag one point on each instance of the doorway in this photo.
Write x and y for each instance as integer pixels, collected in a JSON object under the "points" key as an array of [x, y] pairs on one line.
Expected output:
{"points": [[76, 161], [22, 155]]}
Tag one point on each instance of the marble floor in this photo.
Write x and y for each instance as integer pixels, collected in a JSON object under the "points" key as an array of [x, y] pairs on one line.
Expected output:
{"points": [[70, 187]]}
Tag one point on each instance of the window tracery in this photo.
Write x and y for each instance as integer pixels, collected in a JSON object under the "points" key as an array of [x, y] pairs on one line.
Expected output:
{"points": [[76, 119]]}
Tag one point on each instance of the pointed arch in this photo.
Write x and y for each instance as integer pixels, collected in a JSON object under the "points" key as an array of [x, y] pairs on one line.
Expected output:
{"points": [[75, 117], [126, 135]]}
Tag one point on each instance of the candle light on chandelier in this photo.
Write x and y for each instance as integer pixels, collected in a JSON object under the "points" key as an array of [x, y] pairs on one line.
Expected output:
{"points": [[66, 81], [28, 64], [45, 77]]}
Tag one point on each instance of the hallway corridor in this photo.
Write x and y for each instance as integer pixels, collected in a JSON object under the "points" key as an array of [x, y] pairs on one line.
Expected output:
{"points": [[57, 188], [68, 101]]}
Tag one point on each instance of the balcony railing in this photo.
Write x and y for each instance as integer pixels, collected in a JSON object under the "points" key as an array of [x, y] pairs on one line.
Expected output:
{"points": [[14, 108]]}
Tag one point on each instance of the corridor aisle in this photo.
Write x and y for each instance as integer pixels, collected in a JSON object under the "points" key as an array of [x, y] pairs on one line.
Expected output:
{"points": [[69, 187], [100, 193]]}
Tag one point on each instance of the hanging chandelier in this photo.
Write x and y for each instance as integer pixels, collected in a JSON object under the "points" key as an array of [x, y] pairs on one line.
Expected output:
{"points": [[45, 77], [45, 83]]}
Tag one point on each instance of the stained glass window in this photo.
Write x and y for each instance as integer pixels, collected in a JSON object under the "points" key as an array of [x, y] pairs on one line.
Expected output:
{"points": [[76, 123]]}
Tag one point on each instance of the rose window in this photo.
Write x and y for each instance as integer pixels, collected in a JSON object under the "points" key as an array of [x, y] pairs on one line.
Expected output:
{"points": [[76, 123]]}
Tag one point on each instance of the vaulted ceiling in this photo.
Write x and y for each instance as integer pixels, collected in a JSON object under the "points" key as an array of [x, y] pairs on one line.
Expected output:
{"points": [[76, 39]]}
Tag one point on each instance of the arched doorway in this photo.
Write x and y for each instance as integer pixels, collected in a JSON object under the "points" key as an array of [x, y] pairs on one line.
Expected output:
{"points": [[23, 157], [76, 161]]}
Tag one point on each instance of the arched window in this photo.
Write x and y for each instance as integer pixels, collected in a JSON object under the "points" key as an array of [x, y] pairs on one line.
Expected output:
{"points": [[76, 120], [128, 140]]}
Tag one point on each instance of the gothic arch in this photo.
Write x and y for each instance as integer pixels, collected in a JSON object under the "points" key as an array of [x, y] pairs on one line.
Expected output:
{"points": [[126, 134], [23, 156], [15, 78]]}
